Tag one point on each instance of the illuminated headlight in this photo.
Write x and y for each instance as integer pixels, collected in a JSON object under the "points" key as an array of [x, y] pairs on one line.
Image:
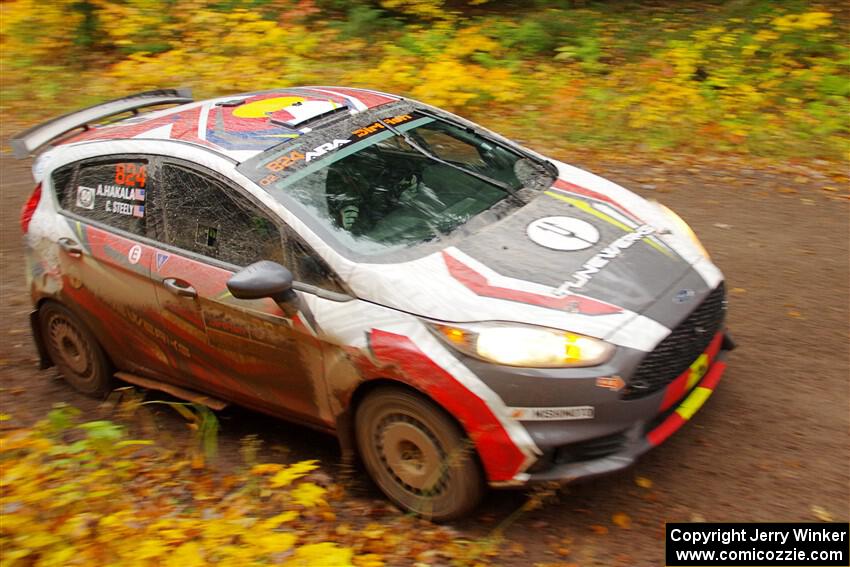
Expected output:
{"points": [[681, 227], [514, 344]]}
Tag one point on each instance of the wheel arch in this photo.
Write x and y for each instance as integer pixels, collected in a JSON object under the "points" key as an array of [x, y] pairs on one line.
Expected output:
{"points": [[345, 420], [35, 323]]}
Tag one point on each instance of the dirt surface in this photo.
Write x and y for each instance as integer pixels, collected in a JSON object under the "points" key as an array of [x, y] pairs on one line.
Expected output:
{"points": [[772, 444]]}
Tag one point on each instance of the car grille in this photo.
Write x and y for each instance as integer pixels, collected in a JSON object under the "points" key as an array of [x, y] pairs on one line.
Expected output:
{"points": [[589, 450], [680, 349]]}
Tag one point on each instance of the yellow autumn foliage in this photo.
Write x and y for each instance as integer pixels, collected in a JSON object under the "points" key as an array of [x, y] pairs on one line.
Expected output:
{"points": [[774, 83], [119, 503]]}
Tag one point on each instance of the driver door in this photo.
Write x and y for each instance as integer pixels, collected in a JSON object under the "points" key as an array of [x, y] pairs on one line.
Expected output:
{"points": [[245, 350]]}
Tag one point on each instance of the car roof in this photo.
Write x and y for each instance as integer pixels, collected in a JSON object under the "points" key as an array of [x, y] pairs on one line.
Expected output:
{"points": [[240, 126]]}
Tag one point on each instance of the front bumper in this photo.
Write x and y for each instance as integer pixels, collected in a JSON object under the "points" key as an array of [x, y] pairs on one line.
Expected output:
{"points": [[621, 430], [641, 437]]}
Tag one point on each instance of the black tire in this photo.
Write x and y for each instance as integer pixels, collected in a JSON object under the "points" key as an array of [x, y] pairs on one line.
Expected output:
{"points": [[74, 350], [417, 455]]}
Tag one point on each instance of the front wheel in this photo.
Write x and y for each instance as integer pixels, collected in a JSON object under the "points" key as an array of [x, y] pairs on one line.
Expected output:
{"points": [[75, 351], [419, 457]]}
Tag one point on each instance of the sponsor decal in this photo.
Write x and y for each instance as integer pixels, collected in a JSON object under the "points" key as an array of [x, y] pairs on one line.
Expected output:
{"points": [[161, 259], [85, 197], [149, 328], [285, 161], [294, 157], [568, 413], [120, 192], [325, 148], [603, 208], [135, 254], [365, 131], [481, 284], [127, 209], [581, 277], [683, 296], [268, 179], [130, 174], [613, 383], [563, 233], [393, 120]]}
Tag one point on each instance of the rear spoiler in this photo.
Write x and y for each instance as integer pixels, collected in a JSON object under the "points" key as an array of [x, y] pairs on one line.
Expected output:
{"points": [[25, 143]]}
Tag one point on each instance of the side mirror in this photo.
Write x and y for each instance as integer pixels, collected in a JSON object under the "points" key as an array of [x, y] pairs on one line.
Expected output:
{"points": [[262, 279]]}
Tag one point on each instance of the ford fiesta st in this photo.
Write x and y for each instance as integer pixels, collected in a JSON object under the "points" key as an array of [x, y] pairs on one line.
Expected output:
{"points": [[459, 310]]}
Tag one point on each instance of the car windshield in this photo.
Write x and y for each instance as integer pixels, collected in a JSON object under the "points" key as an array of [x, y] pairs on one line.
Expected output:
{"points": [[394, 177]]}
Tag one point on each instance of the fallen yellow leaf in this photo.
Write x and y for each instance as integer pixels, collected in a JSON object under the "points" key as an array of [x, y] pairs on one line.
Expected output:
{"points": [[622, 520], [265, 468], [293, 472], [643, 482], [821, 514], [308, 494]]}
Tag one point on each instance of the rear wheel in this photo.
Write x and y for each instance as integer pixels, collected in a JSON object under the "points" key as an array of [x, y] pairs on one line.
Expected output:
{"points": [[75, 351], [419, 457]]}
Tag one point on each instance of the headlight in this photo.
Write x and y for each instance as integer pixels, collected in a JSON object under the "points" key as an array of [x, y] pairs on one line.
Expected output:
{"points": [[682, 227], [514, 344]]}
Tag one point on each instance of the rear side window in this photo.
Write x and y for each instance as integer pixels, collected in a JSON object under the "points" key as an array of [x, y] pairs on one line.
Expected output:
{"points": [[202, 216], [113, 193], [62, 178]]}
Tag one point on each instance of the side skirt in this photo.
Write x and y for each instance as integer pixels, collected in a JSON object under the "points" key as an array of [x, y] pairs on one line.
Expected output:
{"points": [[176, 391]]}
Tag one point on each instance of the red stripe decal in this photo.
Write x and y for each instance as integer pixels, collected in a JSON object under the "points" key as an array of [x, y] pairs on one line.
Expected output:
{"points": [[714, 375], [675, 421], [665, 430], [479, 284], [714, 347], [501, 458], [676, 389]]}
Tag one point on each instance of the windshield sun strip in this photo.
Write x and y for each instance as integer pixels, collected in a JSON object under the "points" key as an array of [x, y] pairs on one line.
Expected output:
{"points": [[345, 152]]}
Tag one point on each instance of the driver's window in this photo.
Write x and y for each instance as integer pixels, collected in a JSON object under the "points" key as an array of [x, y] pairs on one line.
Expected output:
{"points": [[202, 216], [205, 216]]}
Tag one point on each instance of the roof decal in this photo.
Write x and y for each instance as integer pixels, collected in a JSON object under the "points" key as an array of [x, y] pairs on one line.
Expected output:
{"points": [[240, 126]]}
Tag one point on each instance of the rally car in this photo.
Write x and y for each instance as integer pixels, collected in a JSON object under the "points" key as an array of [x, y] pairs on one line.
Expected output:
{"points": [[459, 310]]}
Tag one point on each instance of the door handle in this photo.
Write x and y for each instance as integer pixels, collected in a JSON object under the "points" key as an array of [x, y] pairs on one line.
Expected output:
{"points": [[70, 247], [179, 287]]}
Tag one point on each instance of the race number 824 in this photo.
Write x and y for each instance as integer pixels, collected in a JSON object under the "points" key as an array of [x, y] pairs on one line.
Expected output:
{"points": [[130, 174]]}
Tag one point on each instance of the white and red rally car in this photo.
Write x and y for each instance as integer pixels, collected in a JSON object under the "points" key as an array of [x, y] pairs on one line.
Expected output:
{"points": [[459, 310]]}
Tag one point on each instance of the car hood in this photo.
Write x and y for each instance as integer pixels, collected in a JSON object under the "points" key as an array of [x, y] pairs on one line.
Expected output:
{"points": [[586, 255]]}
